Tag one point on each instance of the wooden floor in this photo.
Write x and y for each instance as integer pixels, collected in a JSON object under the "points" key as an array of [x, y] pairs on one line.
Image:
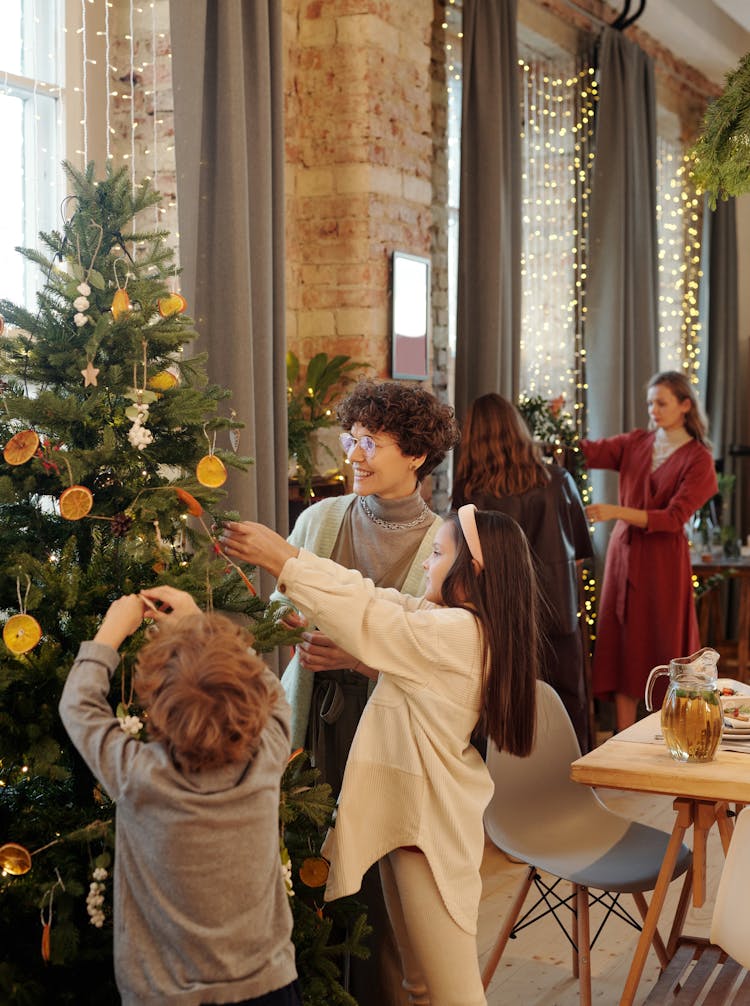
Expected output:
{"points": [[536, 967]]}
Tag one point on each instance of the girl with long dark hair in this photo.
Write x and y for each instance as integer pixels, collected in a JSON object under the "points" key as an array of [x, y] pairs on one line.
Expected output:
{"points": [[415, 789]]}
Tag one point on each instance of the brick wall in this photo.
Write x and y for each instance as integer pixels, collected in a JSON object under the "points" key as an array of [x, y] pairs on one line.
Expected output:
{"points": [[359, 165]]}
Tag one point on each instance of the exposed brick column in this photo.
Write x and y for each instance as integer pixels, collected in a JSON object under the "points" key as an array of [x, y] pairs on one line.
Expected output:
{"points": [[358, 153]]}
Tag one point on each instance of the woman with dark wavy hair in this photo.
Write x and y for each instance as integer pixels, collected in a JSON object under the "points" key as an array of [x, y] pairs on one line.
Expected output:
{"points": [[394, 436], [646, 610], [501, 468]]}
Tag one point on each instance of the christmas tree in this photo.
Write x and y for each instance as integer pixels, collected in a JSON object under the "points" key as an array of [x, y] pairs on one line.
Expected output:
{"points": [[720, 162], [115, 450]]}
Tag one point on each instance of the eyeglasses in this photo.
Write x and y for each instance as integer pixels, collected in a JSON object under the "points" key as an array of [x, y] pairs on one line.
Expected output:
{"points": [[368, 445]]}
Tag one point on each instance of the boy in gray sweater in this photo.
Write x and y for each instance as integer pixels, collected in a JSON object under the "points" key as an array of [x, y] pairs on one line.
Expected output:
{"points": [[201, 913]]}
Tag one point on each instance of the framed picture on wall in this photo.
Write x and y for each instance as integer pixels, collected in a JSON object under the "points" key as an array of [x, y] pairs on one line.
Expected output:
{"points": [[410, 316]]}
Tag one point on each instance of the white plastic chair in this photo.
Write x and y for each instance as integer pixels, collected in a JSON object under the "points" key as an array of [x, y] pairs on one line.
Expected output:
{"points": [[541, 817], [730, 924]]}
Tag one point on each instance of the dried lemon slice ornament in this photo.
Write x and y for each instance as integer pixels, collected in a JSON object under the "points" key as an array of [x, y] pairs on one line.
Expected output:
{"points": [[164, 380], [21, 633], [169, 306]]}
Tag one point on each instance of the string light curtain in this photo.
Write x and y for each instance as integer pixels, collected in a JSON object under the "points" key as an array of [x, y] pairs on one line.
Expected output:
{"points": [[557, 118], [678, 221]]}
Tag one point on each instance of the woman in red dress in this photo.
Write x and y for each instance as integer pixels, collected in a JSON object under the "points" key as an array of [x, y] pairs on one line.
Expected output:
{"points": [[646, 609]]}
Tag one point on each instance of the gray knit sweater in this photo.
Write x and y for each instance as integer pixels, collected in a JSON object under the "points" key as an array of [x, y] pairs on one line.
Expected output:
{"points": [[200, 910]]}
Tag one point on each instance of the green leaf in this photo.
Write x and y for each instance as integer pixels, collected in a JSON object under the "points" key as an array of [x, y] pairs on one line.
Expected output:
{"points": [[96, 280]]}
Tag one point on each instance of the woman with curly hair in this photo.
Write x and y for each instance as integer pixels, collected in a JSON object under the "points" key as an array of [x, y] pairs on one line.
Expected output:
{"points": [[394, 436], [500, 468]]}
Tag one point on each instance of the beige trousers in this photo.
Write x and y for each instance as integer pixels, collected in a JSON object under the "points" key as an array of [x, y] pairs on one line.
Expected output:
{"points": [[439, 959]]}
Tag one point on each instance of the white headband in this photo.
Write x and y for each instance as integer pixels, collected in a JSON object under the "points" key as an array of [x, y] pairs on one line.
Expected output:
{"points": [[468, 521]]}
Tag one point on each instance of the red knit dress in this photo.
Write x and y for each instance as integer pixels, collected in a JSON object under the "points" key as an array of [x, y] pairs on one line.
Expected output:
{"points": [[646, 612]]}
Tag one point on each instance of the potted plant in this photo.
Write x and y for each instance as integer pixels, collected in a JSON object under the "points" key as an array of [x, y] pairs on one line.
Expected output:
{"points": [[310, 398]]}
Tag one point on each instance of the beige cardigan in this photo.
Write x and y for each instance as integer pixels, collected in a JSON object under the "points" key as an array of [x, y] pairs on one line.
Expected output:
{"points": [[316, 530], [412, 776]]}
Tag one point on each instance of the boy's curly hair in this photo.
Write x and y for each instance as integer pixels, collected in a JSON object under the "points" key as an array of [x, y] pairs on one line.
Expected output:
{"points": [[204, 690], [413, 416]]}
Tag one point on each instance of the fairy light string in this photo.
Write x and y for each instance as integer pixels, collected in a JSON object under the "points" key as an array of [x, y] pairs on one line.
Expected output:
{"points": [[84, 75], [132, 103], [108, 90]]}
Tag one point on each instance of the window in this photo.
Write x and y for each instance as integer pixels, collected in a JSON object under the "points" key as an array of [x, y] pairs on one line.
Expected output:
{"points": [[31, 72], [557, 98]]}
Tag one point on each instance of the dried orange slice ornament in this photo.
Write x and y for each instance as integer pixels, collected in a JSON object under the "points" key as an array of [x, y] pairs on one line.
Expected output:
{"points": [[120, 303], [169, 306], [14, 859], [21, 633], [21, 447], [314, 871], [76, 502], [211, 471]]}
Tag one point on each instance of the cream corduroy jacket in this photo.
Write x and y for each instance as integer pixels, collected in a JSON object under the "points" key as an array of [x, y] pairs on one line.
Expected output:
{"points": [[412, 776]]}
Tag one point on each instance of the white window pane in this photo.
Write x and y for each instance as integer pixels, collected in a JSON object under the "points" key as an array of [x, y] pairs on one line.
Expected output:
{"points": [[12, 188], [11, 40]]}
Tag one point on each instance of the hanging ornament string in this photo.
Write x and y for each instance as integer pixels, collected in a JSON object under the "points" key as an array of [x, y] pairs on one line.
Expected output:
{"points": [[34, 102], [106, 76], [132, 105], [22, 603], [153, 111], [126, 702], [84, 75], [139, 435], [45, 915], [82, 303]]}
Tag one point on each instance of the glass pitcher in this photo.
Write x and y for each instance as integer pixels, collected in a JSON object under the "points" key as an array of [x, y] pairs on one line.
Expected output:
{"points": [[691, 714]]}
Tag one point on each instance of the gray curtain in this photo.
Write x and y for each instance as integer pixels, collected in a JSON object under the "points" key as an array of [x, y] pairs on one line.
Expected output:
{"points": [[228, 101], [489, 239], [621, 333], [722, 347], [621, 328]]}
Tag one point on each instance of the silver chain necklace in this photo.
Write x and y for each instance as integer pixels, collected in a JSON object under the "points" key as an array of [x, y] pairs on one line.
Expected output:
{"points": [[392, 525]]}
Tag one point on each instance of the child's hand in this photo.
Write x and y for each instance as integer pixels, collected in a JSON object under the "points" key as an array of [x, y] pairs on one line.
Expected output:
{"points": [[123, 617], [168, 602]]}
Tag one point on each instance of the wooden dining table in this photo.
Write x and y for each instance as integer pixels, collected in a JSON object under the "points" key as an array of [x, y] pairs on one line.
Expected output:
{"points": [[637, 759]]}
